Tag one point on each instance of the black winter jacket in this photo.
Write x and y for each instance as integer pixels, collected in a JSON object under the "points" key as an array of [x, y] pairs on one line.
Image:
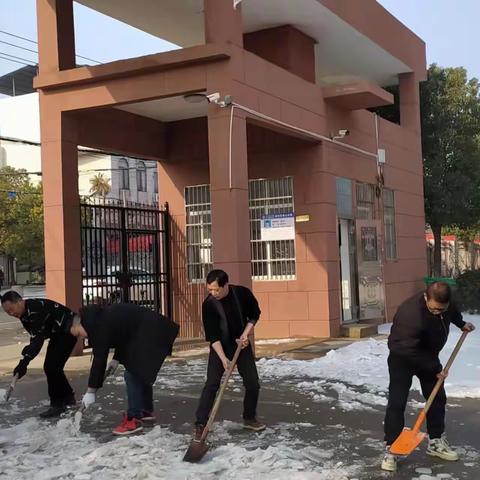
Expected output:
{"points": [[243, 309], [141, 338], [418, 336], [43, 319]]}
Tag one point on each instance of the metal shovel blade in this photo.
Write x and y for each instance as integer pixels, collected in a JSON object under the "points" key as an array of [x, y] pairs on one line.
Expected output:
{"points": [[407, 442], [8, 393], [196, 451]]}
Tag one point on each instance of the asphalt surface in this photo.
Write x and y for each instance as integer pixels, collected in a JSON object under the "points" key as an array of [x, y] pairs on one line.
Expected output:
{"points": [[349, 436]]}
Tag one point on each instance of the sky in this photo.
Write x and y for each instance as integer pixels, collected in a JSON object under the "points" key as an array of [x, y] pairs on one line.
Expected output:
{"points": [[447, 27]]}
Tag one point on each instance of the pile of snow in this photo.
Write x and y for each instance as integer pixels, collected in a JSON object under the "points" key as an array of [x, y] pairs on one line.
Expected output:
{"points": [[363, 365], [61, 452]]}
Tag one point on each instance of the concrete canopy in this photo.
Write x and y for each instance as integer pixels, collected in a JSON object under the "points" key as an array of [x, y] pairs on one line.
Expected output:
{"points": [[346, 51]]}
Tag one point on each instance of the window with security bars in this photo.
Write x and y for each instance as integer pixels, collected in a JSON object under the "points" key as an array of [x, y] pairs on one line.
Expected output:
{"points": [[199, 232], [271, 260], [365, 201], [389, 222]]}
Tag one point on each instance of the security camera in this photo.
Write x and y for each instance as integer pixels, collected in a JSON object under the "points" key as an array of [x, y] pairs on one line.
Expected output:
{"points": [[341, 134], [213, 97]]}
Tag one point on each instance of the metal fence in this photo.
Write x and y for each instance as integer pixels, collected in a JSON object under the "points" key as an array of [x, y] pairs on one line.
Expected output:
{"points": [[125, 254]]}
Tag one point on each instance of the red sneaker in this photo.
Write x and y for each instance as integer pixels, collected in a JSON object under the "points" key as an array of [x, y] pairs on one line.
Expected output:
{"points": [[127, 427]]}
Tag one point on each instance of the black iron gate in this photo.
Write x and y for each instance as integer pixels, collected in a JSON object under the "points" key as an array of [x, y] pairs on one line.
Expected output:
{"points": [[125, 255]]}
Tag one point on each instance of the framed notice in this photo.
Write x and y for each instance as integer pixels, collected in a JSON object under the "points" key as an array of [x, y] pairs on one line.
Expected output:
{"points": [[278, 226]]}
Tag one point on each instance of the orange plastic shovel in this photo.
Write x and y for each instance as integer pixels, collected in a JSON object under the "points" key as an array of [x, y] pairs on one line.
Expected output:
{"points": [[409, 440]]}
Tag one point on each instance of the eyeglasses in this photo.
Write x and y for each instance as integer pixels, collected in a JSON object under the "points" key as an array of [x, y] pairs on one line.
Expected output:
{"points": [[436, 310]]}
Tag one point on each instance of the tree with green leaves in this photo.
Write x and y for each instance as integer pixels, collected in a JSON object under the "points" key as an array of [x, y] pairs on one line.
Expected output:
{"points": [[100, 185], [21, 219], [450, 113]]}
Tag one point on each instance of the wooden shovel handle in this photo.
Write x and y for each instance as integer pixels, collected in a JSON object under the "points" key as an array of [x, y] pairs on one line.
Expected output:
{"points": [[438, 385], [219, 398]]}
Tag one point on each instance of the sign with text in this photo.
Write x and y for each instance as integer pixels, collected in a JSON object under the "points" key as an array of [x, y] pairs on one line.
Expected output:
{"points": [[278, 226]]}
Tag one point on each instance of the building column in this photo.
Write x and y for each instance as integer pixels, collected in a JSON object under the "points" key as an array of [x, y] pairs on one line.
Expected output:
{"points": [[229, 194], [56, 35], [63, 269], [223, 22], [409, 102]]}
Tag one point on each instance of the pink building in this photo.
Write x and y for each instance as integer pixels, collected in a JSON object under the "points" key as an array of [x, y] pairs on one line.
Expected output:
{"points": [[285, 178]]}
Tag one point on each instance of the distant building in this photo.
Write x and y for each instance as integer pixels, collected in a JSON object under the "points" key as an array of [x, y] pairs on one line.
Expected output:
{"points": [[131, 180]]}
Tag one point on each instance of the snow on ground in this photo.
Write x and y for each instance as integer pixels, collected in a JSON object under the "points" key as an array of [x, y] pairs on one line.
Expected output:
{"points": [[363, 365], [59, 451]]}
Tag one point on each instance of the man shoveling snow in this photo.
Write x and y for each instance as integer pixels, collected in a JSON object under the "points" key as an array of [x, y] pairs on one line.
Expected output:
{"points": [[419, 332], [45, 319], [141, 339]]}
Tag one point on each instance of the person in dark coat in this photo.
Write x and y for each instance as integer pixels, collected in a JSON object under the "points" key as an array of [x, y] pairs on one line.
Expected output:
{"points": [[229, 315], [45, 319], [141, 340], [419, 332]]}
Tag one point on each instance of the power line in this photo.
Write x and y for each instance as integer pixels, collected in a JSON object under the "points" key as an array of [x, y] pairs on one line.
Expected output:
{"points": [[16, 61], [18, 58], [36, 43], [18, 36], [82, 150], [18, 46]]}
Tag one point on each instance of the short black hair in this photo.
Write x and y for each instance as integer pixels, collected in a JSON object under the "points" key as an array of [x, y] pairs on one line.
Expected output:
{"points": [[439, 291], [218, 276], [11, 296]]}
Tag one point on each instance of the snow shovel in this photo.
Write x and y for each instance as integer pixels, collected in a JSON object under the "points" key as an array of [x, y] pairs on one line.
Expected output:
{"points": [[409, 440], [198, 448], [9, 391]]}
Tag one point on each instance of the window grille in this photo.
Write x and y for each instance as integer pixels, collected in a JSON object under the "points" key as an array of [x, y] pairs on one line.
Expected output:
{"points": [[271, 260], [365, 201], [199, 232]]}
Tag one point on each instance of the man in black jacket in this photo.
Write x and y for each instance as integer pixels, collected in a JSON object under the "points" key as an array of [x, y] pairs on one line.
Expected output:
{"points": [[229, 314], [141, 340], [42, 319], [419, 332]]}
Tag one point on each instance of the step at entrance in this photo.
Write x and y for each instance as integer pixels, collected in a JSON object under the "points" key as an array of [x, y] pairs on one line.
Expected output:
{"points": [[359, 330]]}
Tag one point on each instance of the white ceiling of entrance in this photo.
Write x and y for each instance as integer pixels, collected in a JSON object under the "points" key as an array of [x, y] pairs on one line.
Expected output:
{"points": [[343, 54], [167, 109]]}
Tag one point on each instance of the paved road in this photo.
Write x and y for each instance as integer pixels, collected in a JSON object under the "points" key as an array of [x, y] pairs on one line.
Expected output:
{"points": [[330, 434], [11, 331]]}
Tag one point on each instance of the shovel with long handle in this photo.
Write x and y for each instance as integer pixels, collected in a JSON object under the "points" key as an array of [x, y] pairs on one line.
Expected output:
{"points": [[10, 388], [409, 440], [198, 448]]}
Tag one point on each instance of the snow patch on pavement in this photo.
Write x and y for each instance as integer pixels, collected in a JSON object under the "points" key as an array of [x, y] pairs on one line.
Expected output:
{"points": [[60, 452], [363, 365]]}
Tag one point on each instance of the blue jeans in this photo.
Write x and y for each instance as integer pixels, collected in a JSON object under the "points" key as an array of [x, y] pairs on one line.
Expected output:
{"points": [[139, 394]]}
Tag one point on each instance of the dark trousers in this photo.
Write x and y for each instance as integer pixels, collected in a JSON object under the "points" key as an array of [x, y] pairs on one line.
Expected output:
{"points": [[59, 349], [401, 375], [247, 370], [139, 394]]}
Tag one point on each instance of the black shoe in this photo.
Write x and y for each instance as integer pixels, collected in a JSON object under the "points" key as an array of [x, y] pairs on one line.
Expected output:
{"points": [[70, 401], [53, 411], [254, 425]]}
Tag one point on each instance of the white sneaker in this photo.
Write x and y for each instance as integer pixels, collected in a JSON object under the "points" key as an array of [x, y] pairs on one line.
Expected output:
{"points": [[389, 462], [439, 447]]}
